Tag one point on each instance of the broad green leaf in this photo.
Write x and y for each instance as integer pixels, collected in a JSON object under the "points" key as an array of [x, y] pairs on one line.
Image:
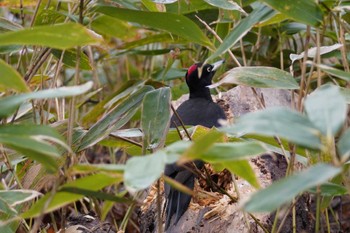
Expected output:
{"points": [[8, 105], [304, 11], [233, 151], [327, 109], [343, 145], [128, 133], [312, 52], [70, 59], [259, 14], [93, 168], [281, 122], [33, 141], [345, 93], [284, 190], [7, 25], [277, 18], [163, 37], [335, 72], [60, 36], [51, 202], [177, 24], [11, 79], [227, 5], [202, 144], [111, 26], [95, 194], [258, 76], [330, 189], [142, 171], [16, 197], [114, 119], [155, 117], [242, 169], [125, 90]]}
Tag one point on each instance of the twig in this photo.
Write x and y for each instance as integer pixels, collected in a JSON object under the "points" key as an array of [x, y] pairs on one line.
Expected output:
{"points": [[219, 39]]}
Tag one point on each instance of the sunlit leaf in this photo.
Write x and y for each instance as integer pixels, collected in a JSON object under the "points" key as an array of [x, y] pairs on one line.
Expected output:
{"points": [[233, 151], [60, 36], [11, 79], [258, 76], [284, 190], [327, 109], [242, 169], [202, 144]]}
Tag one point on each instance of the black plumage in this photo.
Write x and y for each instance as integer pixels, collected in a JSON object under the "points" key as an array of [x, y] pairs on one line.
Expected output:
{"points": [[199, 109]]}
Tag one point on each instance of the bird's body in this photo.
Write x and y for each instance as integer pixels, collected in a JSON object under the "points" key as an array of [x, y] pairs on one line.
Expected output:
{"points": [[199, 109]]}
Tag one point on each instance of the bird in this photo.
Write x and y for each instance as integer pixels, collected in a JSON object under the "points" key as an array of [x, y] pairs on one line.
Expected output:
{"points": [[199, 109]]}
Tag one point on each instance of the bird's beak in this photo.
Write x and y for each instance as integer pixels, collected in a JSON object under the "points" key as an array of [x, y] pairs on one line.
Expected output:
{"points": [[217, 64]]}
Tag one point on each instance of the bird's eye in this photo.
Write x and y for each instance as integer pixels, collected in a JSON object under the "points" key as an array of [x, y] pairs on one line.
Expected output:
{"points": [[209, 69]]}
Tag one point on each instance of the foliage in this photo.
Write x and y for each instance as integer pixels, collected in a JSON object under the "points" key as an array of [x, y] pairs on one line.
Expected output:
{"points": [[78, 76]]}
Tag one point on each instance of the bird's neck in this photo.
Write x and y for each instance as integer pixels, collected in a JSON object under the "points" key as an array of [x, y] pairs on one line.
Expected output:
{"points": [[202, 92]]}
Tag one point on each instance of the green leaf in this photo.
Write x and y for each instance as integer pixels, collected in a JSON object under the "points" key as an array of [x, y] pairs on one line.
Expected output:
{"points": [[327, 109], [202, 143], [149, 39], [284, 190], [330, 189], [142, 171], [304, 11], [70, 59], [335, 72], [11, 79], [124, 91], [343, 145], [233, 151], [259, 76], [16, 197], [281, 122], [111, 26], [51, 202], [96, 194], [60, 36], [259, 14], [243, 169], [155, 117], [312, 52], [8, 105], [227, 5], [114, 119], [177, 24], [33, 141]]}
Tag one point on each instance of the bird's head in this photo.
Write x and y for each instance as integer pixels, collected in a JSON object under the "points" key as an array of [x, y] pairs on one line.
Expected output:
{"points": [[199, 76]]}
